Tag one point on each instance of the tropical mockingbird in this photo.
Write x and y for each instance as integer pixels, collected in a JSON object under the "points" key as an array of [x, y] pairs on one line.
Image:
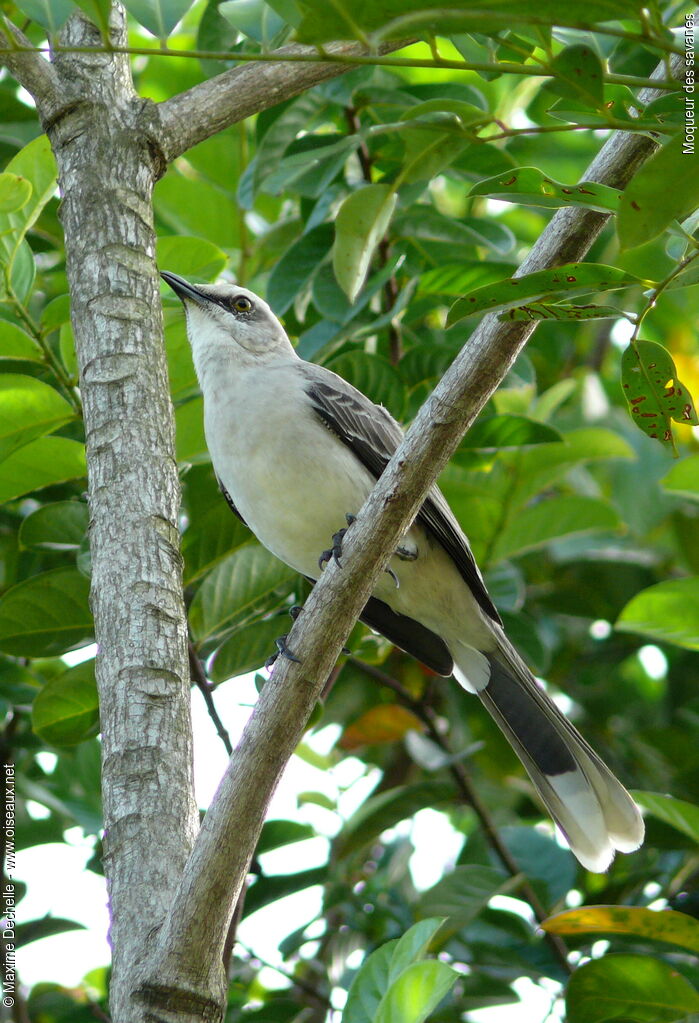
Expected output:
{"points": [[271, 416]]}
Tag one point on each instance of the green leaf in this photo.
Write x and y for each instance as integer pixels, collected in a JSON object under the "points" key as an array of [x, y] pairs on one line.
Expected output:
{"points": [[29, 409], [190, 257], [65, 712], [14, 192], [660, 925], [40, 464], [50, 14], [45, 927], [653, 391], [667, 612], [561, 311], [239, 588], [678, 813], [268, 889], [461, 895], [277, 833], [189, 431], [539, 466], [542, 860], [46, 615], [531, 187], [429, 149], [248, 648], [36, 164], [192, 206], [383, 967], [98, 12], [413, 945], [369, 985], [55, 527], [570, 279], [507, 431], [353, 19], [360, 224], [418, 990], [297, 267], [211, 537], [22, 273], [683, 478], [388, 808], [312, 168], [564, 515], [374, 376], [15, 344], [254, 18], [629, 987], [293, 120], [578, 75], [663, 190], [158, 16]]}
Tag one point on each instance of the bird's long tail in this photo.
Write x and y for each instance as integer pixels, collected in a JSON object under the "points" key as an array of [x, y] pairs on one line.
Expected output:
{"points": [[592, 808]]}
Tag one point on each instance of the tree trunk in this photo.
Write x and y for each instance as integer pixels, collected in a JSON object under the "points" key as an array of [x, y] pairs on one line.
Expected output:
{"points": [[106, 177]]}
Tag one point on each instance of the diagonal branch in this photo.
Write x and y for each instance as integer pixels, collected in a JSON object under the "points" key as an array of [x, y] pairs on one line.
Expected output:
{"points": [[217, 867], [209, 107]]}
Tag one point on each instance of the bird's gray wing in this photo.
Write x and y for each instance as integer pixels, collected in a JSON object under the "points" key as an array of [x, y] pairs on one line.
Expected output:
{"points": [[373, 435]]}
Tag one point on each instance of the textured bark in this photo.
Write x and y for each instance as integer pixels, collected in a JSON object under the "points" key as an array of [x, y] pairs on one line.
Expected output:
{"points": [[170, 914], [106, 176]]}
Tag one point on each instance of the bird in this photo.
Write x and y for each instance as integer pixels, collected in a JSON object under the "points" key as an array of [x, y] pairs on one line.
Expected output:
{"points": [[297, 450]]}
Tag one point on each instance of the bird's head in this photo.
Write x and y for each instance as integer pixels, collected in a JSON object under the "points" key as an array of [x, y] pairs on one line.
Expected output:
{"points": [[229, 322]]}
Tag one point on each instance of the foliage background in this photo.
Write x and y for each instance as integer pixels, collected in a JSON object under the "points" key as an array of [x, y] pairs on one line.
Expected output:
{"points": [[573, 513]]}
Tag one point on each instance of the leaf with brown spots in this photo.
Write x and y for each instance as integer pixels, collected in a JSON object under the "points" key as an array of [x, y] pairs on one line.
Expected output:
{"points": [[560, 281], [578, 75], [531, 187], [666, 188], [655, 396]]}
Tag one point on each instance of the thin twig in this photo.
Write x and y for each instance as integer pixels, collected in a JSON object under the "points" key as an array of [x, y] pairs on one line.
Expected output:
{"points": [[470, 796], [390, 288], [206, 689], [298, 982]]}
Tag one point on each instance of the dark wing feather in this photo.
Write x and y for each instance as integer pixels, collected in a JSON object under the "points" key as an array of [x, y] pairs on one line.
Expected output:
{"points": [[404, 632], [371, 432], [229, 502]]}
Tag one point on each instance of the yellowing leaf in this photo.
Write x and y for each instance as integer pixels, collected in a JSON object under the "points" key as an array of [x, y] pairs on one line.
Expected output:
{"points": [[660, 925], [386, 723]]}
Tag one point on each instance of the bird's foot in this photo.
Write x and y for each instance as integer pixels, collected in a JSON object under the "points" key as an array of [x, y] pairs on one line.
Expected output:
{"points": [[336, 550], [282, 649], [403, 552], [295, 611]]}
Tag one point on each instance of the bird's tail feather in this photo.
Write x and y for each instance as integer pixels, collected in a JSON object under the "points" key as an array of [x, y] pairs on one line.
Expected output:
{"points": [[592, 808]]}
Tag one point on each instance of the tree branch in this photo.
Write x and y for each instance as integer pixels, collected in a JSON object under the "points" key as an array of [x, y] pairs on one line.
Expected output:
{"points": [[31, 69], [195, 115], [218, 865]]}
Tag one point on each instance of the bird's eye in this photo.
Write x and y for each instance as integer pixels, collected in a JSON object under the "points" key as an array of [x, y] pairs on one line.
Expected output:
{"points": [[241, 304]]}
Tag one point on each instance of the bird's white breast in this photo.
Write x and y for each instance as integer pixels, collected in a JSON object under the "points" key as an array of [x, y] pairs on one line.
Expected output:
{"points": [[291, 479]]}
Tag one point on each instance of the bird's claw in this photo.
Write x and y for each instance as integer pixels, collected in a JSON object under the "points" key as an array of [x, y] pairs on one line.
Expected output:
{"points": [[336, 550], [282, 649]]}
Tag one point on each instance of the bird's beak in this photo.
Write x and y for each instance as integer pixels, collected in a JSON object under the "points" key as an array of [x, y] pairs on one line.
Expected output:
{"points": [[184, 290]]}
